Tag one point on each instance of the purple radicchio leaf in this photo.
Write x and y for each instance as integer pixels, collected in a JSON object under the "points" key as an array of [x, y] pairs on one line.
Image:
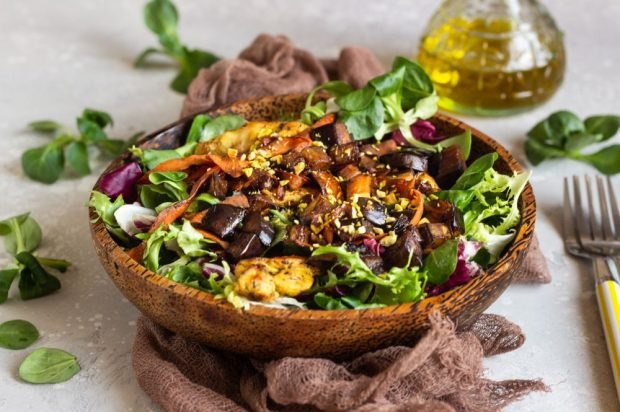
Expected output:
{"points": [[373, 246], [422, 130], [465, 268], [122, 181]]}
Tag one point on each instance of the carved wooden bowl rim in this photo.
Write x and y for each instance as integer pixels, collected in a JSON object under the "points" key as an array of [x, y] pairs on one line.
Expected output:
{"points": [[512, 256]]}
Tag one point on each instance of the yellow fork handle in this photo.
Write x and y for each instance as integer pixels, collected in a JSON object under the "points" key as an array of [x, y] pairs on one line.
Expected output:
{"points": [[608, 297]]}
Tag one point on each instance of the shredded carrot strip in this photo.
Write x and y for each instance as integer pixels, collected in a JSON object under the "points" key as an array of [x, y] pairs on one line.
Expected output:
{"points": [[329, 118], [230, 165], [175, 211], [174, 165], [418, 198], [286, 144], [198, 217], [207, 235], [137, 252], [239, 200]]}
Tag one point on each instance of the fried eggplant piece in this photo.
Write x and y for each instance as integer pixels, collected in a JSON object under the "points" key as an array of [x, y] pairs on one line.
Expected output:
{"points": [[222, 219]]}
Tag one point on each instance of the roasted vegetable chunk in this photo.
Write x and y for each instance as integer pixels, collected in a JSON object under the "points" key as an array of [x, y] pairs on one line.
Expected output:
{"points": [[222, 219], [407, 159], [255, 224], [266, 279], [406, 247], [332, 134], [448, 166]]}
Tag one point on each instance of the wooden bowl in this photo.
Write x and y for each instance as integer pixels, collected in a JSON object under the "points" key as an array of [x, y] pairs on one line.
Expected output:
{"points": [[268, 333]]}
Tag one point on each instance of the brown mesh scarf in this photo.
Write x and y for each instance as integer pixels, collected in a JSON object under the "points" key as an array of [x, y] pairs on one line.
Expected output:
{"points": [[442, 372]]}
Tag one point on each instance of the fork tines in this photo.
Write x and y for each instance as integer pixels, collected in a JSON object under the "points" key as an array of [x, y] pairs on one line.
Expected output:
{"points": [[593, 216]]}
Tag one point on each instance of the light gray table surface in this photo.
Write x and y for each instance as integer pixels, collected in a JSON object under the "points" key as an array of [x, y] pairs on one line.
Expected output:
{"points": [[58, 57]]}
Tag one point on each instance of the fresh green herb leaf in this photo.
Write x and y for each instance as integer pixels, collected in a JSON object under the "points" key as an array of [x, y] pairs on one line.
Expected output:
{"points": [[475, 172], [161, 17], [462, 140], [45, 126], [17, 334], [365, 123], [24, 234], [416, 83], [554, 129], [564, 135], [102, 119], [606, 160], [219, 125], [44, 164], [606, 126], [441, 262], [48, 365], [357, 100], [77, 158], [195, 131], [7, 276], [34, 281], [60, 265]]}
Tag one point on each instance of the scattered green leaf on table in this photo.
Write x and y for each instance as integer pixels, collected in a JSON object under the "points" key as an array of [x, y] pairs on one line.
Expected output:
{"points": [[48, 365], [7, 276], [17, 334], [34, 280], [24, 234], [564, 135], [161, 17], [46, 163]]}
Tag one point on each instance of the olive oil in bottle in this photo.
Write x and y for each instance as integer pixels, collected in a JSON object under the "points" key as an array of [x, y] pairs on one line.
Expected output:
{"points": [[492, 57]]}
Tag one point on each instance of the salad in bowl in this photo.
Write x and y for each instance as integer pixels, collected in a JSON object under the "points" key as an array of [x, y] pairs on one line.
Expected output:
{"points": [[360, 202]]}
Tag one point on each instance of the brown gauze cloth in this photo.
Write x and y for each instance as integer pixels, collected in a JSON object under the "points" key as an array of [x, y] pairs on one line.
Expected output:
{"points": [[442, 372]]}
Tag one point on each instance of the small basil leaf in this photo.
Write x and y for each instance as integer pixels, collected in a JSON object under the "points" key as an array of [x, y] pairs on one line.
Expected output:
{"points": [[24, 236], [102, 119], [195, 131], [537, 151], [459, 198], [441, 262], [389, 83], [328, 303], [142, 59], [358, 100], [6, 226], [556, 128], [483, 258], [45, 126], [181, 82], [161, 17], [17, 334], [365, 123], [462, 140], [221, 124], [416, 83], [7, 276], [113, 147], [336, 88], [197, 59], [60, 265], [77, 158], [606, 160], [44, 164], [606, 126], [475, 172], [34, 281], [48, 365], [578, 141], [90, 131]]}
